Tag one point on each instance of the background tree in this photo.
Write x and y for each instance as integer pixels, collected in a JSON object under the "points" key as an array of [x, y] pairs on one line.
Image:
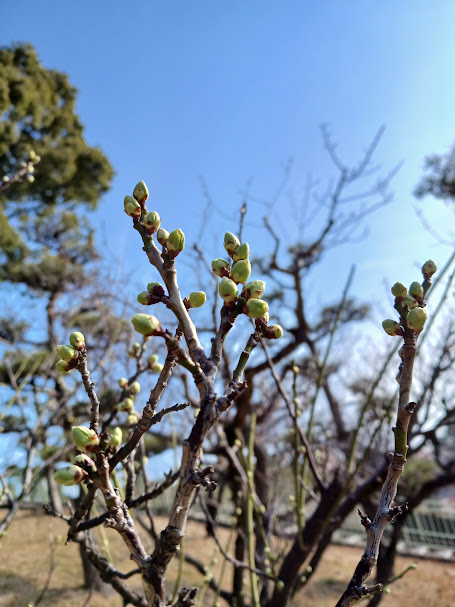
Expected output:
{"points": [[51, 178]]}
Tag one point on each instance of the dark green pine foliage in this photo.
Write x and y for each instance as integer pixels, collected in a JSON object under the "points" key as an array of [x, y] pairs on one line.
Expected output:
{"points": [[44, 239]]}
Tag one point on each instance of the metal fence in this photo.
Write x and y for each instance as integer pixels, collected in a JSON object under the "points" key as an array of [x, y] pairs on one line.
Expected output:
{"points": [[428, 532]]}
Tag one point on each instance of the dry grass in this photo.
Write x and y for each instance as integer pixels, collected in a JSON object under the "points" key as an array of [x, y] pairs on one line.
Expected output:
{"points": [[25, 564]]}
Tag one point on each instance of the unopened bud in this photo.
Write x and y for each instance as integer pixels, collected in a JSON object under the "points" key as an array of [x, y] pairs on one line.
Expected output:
{"points": [[141, 192], [143, 298], [241, 271], [157, 368], [429, 268], [66, 352], [132, 419], [85, 439], [63, 366], [197, 299], [152, 222], [220, 267], [123, 382], [228, 290], [132, 207], [146, 325], [416, 290], [135, 387], [84, 460], [162, 235], [126, 405], [5, 179], [30, 178], [254, 289], [155, 288], [77, 340], [399, 290], [280, 585], [410, 302], [116, 437], [70, 475], [231, 242], [416, 319], [175, 243], [241, 252], [151, 360], [255, 308], [391, 327], [274, 332]]}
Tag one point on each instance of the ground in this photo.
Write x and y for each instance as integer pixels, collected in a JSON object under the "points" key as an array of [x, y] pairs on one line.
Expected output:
{"points": [[25, 562]]}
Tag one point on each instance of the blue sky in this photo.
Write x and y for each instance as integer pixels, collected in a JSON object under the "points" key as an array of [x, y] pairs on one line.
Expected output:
{"points": [[175, 90]]}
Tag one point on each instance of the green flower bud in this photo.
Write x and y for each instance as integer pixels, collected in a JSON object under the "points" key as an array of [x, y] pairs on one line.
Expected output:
{"points": [[152, 222], [86, 461], [77, 340], [126, 405], [132, 419], [141, 192], [116, 437], [135, 387], [162, 235], [135, 348], [143, 298], [31, 168], [220, 267], [123, 382], [255, 308], [66, 352], [241, 252], [70, 475], [266, 317], [32, 155], [5, 179], [197, 299], [241, 270], [274, 332], [157, 368], [399, 290], [280, 585], [146, 325], [151, 360], [254, 289], [156, 289], [85, 439], [416, 319], [391, 327], [231, 242], [416, 290], [30, 178], [429, 268], [410, 302], [175, 243], [228, 290], [63, 366], [132, 207]]}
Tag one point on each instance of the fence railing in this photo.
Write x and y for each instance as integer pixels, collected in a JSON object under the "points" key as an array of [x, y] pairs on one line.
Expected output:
{"points": [[427, 532]]}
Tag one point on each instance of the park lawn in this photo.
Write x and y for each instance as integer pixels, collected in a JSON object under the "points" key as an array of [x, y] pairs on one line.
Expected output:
{"points": [[26, 557]]}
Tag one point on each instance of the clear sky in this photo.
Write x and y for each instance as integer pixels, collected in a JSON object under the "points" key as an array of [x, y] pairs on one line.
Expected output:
{"points": [[172, 90]]}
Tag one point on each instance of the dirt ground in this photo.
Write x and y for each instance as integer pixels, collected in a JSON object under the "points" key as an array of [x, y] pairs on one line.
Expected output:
{"points": [[26, 558]]}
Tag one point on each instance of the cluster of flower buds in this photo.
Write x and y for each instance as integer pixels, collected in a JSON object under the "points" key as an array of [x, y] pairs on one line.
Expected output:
{"points": [[250, 296], [25, 170], [69, 354], [153, 364], [410, 304], [173, 243]]}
